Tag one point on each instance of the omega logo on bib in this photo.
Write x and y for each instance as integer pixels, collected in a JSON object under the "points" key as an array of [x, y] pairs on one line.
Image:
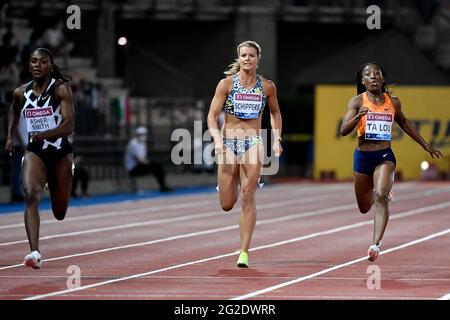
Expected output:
{"points": [[39, 120], [379, 126], [247, 105]]}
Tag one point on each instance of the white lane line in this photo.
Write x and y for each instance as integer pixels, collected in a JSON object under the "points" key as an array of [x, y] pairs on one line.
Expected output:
{"points": [[183, 205], [304, 187], [446, 297], [276, 204], [228, 277], [359, 224], [179, 296], [195, 204], [260, 222], [198, 233], [347, 227], [124, 203], [119, 213], [184, 217], [340, 266]]}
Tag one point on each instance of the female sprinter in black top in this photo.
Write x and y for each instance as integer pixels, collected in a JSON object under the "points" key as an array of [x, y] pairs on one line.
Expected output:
{"points": [[46, 104]]}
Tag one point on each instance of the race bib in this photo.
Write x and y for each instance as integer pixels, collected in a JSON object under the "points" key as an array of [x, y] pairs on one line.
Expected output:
{"points": [[247, 105], [39, 120], [379, 126]]}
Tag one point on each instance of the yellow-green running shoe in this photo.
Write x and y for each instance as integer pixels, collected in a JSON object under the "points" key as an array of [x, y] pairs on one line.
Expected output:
{"points": [[243, 260]]}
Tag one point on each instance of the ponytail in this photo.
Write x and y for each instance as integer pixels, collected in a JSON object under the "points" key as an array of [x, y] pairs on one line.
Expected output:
{"points": [[233, 68]]}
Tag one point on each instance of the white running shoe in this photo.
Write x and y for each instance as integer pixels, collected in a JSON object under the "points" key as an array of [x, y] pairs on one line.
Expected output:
{"points": [[33, 260], [373, 252]]}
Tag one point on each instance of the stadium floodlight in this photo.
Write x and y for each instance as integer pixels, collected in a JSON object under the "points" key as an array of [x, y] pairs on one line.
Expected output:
{"points": [[424, 165], [122, 41]]}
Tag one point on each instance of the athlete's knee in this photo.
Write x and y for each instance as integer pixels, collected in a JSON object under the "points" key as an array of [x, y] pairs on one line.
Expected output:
{"points": [[247, 196], [59, 214], [59, 210], [381, 197], [32, 195], [364, 209], [227, 205], [364, 206], [227, 202]]}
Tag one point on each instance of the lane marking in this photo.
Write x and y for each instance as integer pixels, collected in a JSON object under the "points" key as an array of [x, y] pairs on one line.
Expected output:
{"points": [[260, 222], [278, 204], [184, 217], [197, 233], [347, 227], [446, 297], [313, 275], [184, 205]]}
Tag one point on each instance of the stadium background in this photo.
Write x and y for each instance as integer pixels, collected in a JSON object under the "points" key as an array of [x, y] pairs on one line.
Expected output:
{"points": [[176, 51]]}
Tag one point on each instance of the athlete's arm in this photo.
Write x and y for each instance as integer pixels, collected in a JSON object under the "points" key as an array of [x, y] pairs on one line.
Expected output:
{"points": [[64, 93], [411, 130], [13, 118], [354, 113], [276, 122], [214, 111]]}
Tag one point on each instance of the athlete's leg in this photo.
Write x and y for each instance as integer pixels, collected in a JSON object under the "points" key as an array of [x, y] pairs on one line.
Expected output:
{"points": [[228, 180], [363, 184], [383, 179], [60, 185], [250, 172], [34, 176]]}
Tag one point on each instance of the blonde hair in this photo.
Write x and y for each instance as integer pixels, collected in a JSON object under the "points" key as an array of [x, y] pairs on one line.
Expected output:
{"points": [[235, 67]]}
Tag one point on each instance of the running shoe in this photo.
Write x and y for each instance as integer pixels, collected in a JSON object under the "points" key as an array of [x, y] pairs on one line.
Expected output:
{"points": [[33, 260], [373, 252], [243, 260]]}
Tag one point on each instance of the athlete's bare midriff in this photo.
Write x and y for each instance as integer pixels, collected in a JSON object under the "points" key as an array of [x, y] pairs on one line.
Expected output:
{"points": [[366, 145], [240, 128]]}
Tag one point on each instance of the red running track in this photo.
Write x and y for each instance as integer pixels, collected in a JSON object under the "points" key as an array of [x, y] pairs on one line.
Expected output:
{"points": [[310, 242]]}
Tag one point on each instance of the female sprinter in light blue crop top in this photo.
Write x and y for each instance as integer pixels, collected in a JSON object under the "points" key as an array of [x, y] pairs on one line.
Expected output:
{"points": [[242, 96]]}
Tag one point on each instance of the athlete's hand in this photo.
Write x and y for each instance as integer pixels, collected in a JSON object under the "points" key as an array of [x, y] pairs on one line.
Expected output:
{"points": [[37, 136], [219, 148], [220, 153], [277, 148], [362, 112], [9, 146], [434, 153]]}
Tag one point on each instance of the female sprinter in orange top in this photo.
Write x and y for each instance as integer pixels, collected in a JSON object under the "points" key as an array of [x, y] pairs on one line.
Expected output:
{"points": [[372, 112], [242, 97]]}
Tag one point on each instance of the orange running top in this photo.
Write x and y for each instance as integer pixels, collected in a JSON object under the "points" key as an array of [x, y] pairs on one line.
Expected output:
{"points": [[386, 108]]}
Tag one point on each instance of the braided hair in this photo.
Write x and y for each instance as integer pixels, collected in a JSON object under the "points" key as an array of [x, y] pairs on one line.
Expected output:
{"points": [[360, 88], [56, 71]]}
